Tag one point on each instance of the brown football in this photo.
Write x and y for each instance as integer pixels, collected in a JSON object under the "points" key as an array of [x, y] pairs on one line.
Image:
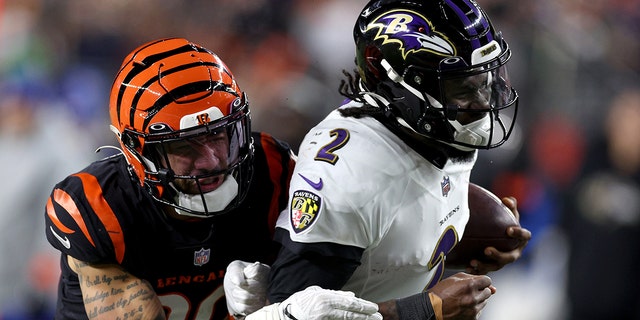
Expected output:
{"points": [[487, 227]]}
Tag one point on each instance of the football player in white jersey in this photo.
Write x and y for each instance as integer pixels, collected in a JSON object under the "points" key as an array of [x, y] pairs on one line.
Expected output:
{"points": [[379, 192]]}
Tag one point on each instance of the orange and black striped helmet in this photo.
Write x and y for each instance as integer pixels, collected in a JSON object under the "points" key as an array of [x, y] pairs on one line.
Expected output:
{"points": [[172, 90]]}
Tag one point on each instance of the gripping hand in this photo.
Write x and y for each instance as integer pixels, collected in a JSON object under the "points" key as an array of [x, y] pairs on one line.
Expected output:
{"points": [[245, 287], [315, 303]]}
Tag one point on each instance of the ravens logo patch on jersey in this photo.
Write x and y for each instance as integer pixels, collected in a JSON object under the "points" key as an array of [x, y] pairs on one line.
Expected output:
{"points": [[305, 207]]}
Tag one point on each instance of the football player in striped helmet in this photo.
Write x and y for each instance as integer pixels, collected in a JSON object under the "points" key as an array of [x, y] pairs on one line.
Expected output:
{"points": [[188, 105], [149, 232]]}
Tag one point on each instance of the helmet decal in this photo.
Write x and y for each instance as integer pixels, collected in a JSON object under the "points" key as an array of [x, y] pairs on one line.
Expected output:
{"points": [[412, 31], [200, 118]]}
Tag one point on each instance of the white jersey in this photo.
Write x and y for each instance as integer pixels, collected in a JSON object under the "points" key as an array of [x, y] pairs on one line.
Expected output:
{"points": [[358, 184]]}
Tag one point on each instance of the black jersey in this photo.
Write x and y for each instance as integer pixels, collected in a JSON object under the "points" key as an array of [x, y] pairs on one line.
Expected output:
{"points": [[101, 215]]}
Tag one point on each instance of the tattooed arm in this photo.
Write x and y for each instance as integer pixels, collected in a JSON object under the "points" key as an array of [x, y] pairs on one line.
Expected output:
{"points": [[110, 292]]}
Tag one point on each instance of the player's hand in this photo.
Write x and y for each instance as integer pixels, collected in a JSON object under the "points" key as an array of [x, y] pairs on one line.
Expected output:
{"points": [[463, 296], [245, 287], [315, 303], [499, 258]]}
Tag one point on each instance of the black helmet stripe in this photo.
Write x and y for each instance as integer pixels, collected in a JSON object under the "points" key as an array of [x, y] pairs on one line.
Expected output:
{"points": [[183, 91], [141, 66], [143, 88], [150, 60]]}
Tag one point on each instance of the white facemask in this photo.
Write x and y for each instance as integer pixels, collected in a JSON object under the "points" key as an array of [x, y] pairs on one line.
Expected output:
{"points": [[216, 200], [476, 133]]}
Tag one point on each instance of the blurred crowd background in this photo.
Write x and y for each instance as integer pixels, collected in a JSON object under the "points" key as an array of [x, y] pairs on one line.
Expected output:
{"points": [[573, 162]]}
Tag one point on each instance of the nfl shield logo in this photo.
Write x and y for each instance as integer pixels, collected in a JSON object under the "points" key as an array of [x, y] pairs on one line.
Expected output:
{"points": [[445, 185], [201, 257]]}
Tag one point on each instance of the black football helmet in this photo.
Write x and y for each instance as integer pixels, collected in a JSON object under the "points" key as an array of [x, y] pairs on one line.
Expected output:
{"points": [[172, 96], [439, 68]]}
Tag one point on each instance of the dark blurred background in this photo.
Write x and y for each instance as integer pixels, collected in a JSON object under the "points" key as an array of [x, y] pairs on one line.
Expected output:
{"points": [[572, 163]]}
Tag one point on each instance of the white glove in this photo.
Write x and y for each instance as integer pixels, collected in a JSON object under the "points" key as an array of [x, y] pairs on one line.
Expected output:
{"points": [[315, 303], [245, 287]]}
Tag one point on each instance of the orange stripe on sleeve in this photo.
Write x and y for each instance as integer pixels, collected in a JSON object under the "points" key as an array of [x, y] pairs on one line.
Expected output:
{"points": [[93, 191], [54, 218], [274, 162], [64, 200]]}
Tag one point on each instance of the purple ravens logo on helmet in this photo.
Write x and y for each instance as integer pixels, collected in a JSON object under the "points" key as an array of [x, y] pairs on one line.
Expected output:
{"points": [[412, 31]]}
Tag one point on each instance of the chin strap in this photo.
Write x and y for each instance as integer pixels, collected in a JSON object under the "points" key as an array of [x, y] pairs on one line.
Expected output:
{"points": [[108, 147], [477, 133], [212, 201]]}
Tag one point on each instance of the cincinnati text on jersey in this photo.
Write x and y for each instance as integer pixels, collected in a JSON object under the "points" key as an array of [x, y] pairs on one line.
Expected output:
{"points": [[188, 279]]}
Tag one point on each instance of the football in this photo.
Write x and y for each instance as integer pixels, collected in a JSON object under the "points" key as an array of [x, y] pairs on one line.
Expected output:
{"points": [[487, 227]]}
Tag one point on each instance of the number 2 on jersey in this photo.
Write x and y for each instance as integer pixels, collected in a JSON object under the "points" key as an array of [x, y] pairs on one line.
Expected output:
{"points": [[326, 153], [448, 240]]}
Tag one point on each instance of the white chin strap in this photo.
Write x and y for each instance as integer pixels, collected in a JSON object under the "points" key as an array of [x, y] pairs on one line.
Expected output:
{"points": [[476, 133], [216, 200]]}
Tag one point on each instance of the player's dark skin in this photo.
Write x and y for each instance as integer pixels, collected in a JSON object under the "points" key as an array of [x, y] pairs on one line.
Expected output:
{"points": [[464, 295]]}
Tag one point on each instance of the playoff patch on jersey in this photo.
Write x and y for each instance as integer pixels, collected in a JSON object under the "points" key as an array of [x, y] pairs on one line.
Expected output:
{"points": [[305, 207]]}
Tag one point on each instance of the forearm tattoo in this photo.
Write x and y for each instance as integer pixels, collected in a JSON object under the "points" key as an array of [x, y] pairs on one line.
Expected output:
{"points": [[121, 292]]}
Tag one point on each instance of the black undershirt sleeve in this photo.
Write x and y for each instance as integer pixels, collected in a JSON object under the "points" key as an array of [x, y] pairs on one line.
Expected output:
{"points": [[300, 265]]}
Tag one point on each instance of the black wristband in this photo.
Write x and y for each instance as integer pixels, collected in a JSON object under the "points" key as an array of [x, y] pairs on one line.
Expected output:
{"points": [[417, 306]]}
